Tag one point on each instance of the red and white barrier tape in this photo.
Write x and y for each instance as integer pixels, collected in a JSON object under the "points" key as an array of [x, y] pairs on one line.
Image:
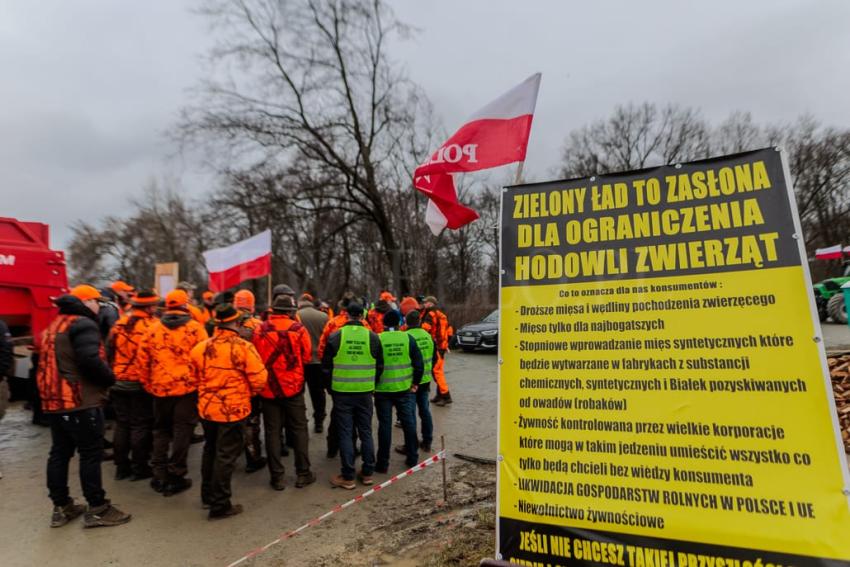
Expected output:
{"points": [[426, 463]]}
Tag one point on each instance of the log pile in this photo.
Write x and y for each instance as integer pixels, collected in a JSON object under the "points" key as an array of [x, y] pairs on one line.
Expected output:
{"points": [[839, 371]]}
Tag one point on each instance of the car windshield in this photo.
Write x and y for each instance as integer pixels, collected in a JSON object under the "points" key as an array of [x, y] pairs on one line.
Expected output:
{"points": [[492, 317]]}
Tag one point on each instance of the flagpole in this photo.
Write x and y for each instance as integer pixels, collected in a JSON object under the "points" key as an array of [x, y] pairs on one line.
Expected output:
{"points": [[519, 167], [269, 291]]}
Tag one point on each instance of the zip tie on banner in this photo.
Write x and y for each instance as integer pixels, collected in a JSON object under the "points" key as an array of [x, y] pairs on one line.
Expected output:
{"points": [[441, 456]]}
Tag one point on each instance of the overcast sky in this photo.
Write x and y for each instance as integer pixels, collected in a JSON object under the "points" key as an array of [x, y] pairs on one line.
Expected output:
{"points": [[89, 87]]}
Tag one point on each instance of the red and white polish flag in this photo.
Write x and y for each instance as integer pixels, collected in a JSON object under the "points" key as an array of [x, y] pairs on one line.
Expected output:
{"points": [[248, 259], [830, 253], [495, 135]]}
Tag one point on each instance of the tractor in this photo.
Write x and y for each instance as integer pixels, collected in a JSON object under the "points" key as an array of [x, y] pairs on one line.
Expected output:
{"points": [[829, 298]]}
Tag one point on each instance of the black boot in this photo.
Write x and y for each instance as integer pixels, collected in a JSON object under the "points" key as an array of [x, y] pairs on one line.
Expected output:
{"points": [[255, 465], [444, 400], [142, 474], [176, 485]]}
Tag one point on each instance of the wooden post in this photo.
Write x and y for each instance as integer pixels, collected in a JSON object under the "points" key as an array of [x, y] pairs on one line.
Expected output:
{"points": [[445, 486]]}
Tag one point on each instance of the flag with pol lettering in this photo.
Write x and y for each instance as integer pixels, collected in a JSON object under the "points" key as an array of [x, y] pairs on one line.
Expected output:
{"points": [[495, 135]]}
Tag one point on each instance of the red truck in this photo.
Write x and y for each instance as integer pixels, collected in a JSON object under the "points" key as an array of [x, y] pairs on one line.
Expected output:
{"points": [[30, 275]]}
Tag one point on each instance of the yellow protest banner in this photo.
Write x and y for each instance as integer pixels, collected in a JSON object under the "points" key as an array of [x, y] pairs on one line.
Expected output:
{"points": [[663, 392]]}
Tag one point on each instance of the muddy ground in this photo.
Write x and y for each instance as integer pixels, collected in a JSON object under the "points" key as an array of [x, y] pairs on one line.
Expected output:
{"points": [[406, 524]]}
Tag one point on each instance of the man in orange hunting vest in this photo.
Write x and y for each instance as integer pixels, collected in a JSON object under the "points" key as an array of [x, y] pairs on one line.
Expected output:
{"points": [[73, 378]]}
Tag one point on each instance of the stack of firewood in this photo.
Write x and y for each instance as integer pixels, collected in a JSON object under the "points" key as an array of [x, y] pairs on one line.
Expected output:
{"points": [[839, 370]]}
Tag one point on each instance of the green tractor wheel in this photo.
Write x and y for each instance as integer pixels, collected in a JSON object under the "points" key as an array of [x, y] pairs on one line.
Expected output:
{"points": [[836, 308]]}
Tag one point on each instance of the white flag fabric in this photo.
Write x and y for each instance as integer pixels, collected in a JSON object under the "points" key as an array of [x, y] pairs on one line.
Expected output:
{"points": [[495, 135], [231, 265], [829, 253]]}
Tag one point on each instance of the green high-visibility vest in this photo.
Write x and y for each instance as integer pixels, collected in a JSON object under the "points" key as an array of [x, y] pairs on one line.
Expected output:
{"points": [[354, 365], [426, 347], [398, 372]]}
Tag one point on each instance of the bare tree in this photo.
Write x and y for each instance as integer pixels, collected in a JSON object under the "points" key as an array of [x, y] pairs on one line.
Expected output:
{"points": [[634, 137], [89, 253], [739, 133], [820, 165], [819, 160], [642, 136], [162, 228], [306, 229], [309, 84]]}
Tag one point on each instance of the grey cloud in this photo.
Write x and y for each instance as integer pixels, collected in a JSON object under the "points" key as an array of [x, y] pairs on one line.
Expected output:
{"points": [[73, 142], [90, 86]]}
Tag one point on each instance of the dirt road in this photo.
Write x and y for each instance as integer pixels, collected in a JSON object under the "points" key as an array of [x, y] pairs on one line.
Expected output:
{"points": [[835, 336], [175, 531]]}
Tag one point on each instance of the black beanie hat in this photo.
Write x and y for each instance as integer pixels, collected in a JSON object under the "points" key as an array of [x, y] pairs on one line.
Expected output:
{"points": [[382, 306], [223, 297], [354, 309], [391, 318], [412, 319]]}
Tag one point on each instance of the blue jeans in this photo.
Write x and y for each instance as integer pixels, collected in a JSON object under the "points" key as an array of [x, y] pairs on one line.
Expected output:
{"points": [[350, 411], [404, 405], [423, 404]]}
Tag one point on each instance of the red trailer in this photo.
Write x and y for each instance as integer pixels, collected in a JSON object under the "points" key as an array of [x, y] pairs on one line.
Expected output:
{"points": [[30, 275]]}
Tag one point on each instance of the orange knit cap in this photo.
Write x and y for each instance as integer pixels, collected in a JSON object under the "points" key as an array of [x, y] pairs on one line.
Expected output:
{"points": [[386, 296], [119, 286], [176, 298], [243, 299], [408, 304], [85, 292], [207, 295]]}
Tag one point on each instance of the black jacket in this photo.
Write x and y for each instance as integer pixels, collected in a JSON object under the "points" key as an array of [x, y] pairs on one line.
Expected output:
{"points": [[174, 319], [107, 317], [332, 347], [7, 358], [85, 340]]}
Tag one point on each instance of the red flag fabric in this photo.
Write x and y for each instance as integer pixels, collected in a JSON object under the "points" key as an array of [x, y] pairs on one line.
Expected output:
{"points": [[830, 253], [247, 259], [444, 210], [495, 135]]}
